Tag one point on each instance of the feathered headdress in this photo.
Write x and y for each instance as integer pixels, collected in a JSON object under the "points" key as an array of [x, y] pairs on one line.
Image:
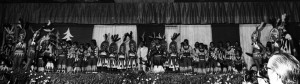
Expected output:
{"points": [[115, 38], [174, 37], [130, 35], [106, 37]]}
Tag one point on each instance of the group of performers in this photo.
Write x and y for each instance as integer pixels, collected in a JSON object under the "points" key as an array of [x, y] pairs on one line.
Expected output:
{"points": [[52, 54]]}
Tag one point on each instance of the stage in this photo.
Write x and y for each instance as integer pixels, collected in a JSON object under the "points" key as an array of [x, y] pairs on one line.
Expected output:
{"points": [[128, 77]]}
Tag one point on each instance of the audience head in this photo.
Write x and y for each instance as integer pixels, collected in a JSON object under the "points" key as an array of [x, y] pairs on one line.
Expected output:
{"points": [[283, 69]]}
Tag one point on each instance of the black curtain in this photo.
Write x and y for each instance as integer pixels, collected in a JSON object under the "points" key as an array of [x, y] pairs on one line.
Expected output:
{"points": [[149, 13], [149, 29], [225, 32]]}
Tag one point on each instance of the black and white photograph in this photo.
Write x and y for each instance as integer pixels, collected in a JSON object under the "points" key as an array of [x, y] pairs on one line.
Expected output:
{"points": [[149, 42]]}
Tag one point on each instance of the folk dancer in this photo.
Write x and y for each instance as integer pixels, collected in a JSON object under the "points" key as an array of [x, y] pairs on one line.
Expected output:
{"points": [[113, 50], [173, 53], [103, 54]]}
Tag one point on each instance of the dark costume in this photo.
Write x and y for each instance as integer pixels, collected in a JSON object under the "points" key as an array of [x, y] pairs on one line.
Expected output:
{"points": [[213, 57], [113, 50], [132, 53], [173, 53], [103, 53], [186, 57]]}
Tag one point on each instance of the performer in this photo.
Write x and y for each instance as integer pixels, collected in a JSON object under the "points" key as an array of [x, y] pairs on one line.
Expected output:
{"points": [[8, 43], [186, 57], [212, 57], [157, 55], [142, 54], [258, 48], [19, 51], [220, 55], [87, 54], [62, 52], [230, 53], [203, 58], [239, 64], [173, 53], [31, 53], [72, 49], [132, 53], [92, 60], [103, 54], [79, 61], [286, 38], [122, 54], [196, 54], [113, 50]]}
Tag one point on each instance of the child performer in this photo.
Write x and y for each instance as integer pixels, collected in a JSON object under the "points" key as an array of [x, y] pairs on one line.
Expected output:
{"points": [[92, 61], [213, 57], [113, 50], [71, 55], [79, 63], [103, 54], [132, 57], [230, 53], [186, 57], [122, 54], [196, 55], [87, 54], [62, 52], [220, 55], [173, 53], [202, 58]]}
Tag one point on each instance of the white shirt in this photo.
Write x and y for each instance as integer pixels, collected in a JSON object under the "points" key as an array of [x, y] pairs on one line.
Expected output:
{"points": [[142, 53]]}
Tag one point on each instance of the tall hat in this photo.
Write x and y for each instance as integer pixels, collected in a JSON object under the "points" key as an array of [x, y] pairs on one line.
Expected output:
{"points": [[123, 45], [143, 40], [131, 41], [105, 43], [173, 38], [10, 32], [256, 34]]}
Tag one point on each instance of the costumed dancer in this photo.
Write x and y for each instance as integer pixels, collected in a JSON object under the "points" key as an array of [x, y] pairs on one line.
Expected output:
{"points": [[19, 50], [45, 48], [220, 55], [203, 57], [213, 57], [186, 56], [122, 54], [258, 48], [31, 53], [132, 53], [113, 50], [62, 52], [103, 54], [230, 53], [72, 49], [173, 53], [79, 63], [87, 54], [92, 60], [142, 54], [49, 50], [152, 48], [239, 63], [8, 43], [157, 55], [196, 55]]}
